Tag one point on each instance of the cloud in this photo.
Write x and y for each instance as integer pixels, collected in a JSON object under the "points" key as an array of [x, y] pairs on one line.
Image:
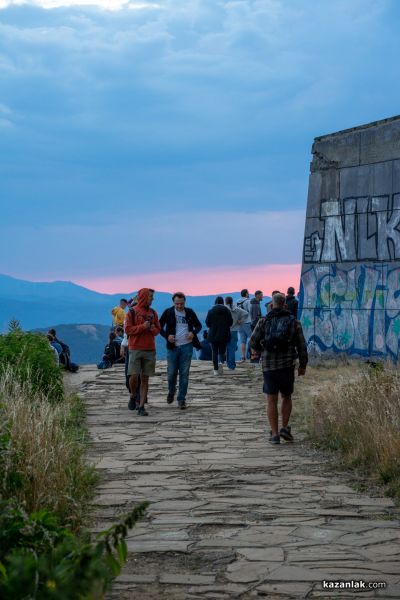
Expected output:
{"points": [[130, 244]]}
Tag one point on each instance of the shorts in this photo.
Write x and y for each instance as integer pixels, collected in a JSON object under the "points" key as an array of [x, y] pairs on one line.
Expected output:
{"points": [[244, 332], [142, 362], [280, 380]]}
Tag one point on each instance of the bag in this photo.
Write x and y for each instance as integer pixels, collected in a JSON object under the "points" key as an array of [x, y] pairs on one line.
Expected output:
{"points": [[279, 332]]}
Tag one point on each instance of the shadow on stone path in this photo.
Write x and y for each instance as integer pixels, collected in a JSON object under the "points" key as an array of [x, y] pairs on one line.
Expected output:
{"points": [[230, 515]]}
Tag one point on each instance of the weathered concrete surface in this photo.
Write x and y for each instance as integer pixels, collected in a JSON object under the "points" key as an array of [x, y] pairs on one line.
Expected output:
{"points": [[230, 515], [350, 284]]}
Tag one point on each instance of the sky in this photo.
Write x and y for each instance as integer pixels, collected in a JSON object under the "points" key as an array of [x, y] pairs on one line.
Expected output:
{"points": [[167, 143]]}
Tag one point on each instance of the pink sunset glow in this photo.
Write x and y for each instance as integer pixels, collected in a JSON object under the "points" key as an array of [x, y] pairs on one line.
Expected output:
{"points": [[198, 282]]}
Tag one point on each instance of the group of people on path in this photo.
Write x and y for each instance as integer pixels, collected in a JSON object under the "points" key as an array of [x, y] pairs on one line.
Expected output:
{"points": [[277, 338]]}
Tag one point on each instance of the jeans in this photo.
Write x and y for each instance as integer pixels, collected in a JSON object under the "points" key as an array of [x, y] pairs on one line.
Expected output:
{"points": [[231, 350], [178, 361], [218, 352]]}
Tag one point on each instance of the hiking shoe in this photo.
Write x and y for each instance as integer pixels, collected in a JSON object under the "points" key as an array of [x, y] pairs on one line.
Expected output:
{"points": [[132, 403], [170, 398], [182, 405], [285, 434], [142, 412], [275, 439], [216, 372]]}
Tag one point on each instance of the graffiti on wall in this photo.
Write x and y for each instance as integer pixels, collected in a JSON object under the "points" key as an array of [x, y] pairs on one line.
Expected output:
{"points": [[355, 229], [352, 309]]}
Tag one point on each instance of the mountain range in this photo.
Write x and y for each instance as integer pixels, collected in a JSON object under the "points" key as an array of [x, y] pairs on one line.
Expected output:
{"points": [[82, 317]]}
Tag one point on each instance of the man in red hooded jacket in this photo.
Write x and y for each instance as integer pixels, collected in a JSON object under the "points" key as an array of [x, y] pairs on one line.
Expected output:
{"points": [[141, 327]]}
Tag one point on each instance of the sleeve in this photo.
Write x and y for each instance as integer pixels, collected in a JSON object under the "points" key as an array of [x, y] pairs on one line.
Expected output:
{"points": [[163, 322], [157, 328], [131, 329], [257, 336], [301, 346], [196, 323]]}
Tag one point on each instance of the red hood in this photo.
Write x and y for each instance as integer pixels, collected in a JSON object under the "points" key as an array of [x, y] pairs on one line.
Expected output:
{"points": [[143, 299]]}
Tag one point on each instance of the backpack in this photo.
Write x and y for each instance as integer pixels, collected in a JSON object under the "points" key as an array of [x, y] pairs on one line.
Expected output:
{"points": [[279, 332]]}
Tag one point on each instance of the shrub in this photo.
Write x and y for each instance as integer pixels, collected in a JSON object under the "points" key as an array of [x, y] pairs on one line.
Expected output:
{"points": [[47, 562], [32, 359], [361, 419], [42, 451]]}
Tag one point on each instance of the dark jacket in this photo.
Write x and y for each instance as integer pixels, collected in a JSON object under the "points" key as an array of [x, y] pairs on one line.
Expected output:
{"points": [[168, 326], [255, 312], [292, 305], [219, 321]]}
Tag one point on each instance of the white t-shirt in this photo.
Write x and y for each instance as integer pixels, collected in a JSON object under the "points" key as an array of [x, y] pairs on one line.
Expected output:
{"points": [[182, 329]]}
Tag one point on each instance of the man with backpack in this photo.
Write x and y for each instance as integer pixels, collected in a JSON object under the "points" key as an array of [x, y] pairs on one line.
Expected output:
{"points": [[279, 337]]}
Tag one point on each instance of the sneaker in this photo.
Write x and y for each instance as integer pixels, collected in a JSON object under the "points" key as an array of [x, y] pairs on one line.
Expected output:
{"points": [[142, 412], [286, 434], [132, 403], [216, 372], [182, 405], [220, 369], [170, 398], [275, 439]]}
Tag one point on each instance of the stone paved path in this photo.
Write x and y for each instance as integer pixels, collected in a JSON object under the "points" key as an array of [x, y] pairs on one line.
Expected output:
{"points": [[230, 515]]}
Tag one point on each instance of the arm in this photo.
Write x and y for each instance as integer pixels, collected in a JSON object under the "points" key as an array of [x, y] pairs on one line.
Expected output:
{"points": [[163, 322], [257, 336], [155, 327], [301, 348], [131, 329], [208, 319], [196, 323]]}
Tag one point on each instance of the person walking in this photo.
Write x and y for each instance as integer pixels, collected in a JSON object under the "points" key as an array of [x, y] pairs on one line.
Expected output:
{"points": [[245, 327], [239, 315], [279, 336], [179, 326], [219, 321], [291, 302], [141, 327]]}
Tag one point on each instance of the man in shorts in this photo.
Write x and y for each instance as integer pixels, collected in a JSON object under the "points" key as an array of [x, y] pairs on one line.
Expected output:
{"points": [[141, 327], [280, 338]]}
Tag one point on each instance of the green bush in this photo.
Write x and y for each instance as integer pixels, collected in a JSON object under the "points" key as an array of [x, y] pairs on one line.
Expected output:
{"points": [[40, 560], [33, 360]]}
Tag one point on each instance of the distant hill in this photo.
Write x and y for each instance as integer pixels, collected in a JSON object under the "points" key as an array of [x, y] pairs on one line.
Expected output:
{"points": [[38, 305]]}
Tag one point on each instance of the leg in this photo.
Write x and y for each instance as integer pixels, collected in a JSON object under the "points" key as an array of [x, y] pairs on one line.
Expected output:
{"points": [[272, 412], [222, 351], [231, 350], [172, 370], [286, 409], [133, 384], [144, 388], [214, 346], [185, 359]]}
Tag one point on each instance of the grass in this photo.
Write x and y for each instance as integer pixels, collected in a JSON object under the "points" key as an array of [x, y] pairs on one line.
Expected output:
{"points": [[42, 451], [360, 418]]}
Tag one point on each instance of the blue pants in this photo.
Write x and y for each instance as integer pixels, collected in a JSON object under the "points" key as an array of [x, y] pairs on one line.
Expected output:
{"points": [[178, 361], [231, 350]]}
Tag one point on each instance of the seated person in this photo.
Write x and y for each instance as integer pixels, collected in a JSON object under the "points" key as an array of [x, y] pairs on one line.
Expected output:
{"points": [[64, 354], [112, 352], [205, 353]]}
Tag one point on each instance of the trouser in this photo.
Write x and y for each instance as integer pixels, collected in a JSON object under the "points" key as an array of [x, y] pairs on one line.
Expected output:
{"points": [[231, 350], [218, 353], [178, 362]]}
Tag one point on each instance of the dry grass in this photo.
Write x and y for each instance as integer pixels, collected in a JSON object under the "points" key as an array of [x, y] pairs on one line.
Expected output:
{"points": [[43, 451], [361, 419]]}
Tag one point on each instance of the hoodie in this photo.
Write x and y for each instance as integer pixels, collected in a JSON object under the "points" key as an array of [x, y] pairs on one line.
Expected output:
{"points": [[219, 321], [141, 337]]}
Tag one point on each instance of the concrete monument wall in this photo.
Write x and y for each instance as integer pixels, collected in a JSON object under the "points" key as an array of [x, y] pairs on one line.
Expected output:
{"points": [[350, 281]]}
